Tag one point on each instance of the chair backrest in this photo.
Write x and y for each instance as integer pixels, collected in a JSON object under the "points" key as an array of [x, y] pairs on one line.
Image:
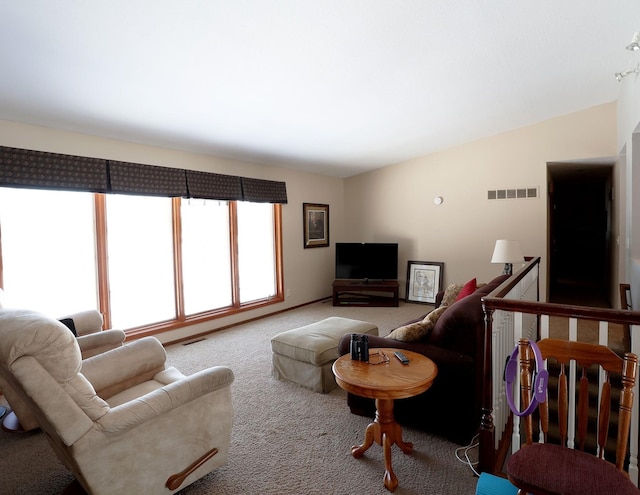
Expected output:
{"points": [[40, 359], [585, 356]]}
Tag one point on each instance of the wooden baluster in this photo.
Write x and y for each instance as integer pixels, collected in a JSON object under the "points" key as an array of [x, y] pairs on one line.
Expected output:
{"points": [[629, 370], [603, 415], [525, 386], [544, 419], [583, 408], [563, 405]]}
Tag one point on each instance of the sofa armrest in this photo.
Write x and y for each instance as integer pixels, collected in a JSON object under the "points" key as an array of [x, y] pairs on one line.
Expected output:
{"points": [[126, 416], [130, 364]]}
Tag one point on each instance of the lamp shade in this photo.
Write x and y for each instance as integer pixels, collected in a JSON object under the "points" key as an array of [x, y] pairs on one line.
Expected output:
{"points": [[507, 251]]}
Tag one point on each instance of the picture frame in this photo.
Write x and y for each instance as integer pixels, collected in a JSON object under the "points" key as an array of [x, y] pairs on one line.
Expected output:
{"points": [[424, 281], [315, 219]]}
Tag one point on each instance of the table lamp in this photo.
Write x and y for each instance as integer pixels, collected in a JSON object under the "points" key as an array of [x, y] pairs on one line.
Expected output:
{"points": [[507, 252]]}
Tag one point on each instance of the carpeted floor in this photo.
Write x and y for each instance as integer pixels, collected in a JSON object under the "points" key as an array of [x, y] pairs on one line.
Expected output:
{"points": [[285, 439]]}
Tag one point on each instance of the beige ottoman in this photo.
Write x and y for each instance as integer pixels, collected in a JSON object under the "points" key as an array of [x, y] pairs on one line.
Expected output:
{"points": [[305, 355]]}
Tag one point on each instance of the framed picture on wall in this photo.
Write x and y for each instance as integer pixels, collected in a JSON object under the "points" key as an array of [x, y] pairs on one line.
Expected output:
{"points": [[424, 280], [315, 219]]}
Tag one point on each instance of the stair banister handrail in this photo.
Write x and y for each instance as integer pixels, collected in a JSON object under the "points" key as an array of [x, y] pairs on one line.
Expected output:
{"points": [[492, 449]]}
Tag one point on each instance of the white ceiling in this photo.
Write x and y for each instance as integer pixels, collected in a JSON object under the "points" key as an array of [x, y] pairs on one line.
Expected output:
{"points": [[336, 87]]}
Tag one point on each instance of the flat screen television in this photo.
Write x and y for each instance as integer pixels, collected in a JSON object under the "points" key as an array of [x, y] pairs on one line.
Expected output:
{"points": [[366, 260]]}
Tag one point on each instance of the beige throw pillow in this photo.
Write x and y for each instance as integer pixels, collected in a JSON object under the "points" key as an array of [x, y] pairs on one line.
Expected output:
{"points": [[419, 330], [450, 294]]}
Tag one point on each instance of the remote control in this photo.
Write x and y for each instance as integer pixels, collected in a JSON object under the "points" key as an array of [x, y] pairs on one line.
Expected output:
{"points": [[403, 359]]}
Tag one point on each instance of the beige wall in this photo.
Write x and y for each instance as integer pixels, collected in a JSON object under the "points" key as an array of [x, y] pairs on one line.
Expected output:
{"points": [[308, 273], [396, 203], [629, 172], [629, 148]]}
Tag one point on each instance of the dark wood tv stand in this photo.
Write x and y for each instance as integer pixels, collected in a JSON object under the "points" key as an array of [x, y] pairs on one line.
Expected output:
{"points": [[365, 293]]}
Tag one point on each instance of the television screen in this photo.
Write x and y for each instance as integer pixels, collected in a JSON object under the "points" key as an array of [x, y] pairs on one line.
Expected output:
{"points": [[373, 261]]}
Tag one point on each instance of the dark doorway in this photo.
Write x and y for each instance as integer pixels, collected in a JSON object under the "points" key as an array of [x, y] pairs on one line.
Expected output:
{"points": [[579, 234]]}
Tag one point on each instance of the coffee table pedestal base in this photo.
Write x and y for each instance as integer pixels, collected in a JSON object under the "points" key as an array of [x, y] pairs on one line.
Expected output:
{"points": [[385, 432]]}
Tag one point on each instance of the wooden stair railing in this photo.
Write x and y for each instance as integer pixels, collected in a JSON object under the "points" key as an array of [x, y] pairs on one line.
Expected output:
{"points": [[495, 439]]}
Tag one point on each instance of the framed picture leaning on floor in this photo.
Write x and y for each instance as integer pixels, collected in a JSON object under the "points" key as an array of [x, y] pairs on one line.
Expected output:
{"points": [[424, 280]]}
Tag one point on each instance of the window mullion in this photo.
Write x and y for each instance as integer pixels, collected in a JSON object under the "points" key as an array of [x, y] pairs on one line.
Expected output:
{"points": [[177, 259], [233, 239], [102, 258], [277, 236]]}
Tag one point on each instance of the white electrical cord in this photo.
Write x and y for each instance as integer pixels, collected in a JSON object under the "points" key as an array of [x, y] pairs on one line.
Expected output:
{"points": [[465, 451]]}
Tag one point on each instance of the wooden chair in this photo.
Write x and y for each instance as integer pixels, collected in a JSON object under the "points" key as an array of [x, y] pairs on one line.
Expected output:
{"points": [[546, 468]]}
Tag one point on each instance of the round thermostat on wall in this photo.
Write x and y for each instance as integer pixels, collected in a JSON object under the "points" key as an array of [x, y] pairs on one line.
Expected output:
{"points": [[438, 200]]}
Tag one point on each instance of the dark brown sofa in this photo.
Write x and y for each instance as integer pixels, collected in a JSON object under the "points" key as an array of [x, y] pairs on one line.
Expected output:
{"points": [[451, 407]]}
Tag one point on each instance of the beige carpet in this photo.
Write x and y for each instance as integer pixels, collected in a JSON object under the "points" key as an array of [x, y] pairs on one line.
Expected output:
{"points": [[286, 439]]}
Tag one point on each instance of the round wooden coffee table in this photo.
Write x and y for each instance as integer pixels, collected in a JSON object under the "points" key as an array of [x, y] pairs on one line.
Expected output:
{"points": [[384, 383]]}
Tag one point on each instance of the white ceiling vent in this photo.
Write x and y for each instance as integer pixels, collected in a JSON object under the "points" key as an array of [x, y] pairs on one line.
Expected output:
{"points": [[521, 193]]}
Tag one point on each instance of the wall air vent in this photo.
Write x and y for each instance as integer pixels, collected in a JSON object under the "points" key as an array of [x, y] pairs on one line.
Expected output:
{"points": [[515, 193]]}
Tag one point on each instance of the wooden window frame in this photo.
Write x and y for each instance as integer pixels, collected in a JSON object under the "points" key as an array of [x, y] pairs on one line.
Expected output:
{"points": [[182, 319]]}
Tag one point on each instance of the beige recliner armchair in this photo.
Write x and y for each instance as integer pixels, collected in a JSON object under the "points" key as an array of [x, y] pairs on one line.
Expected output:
{"points": [[87, 327], [121, 421]]}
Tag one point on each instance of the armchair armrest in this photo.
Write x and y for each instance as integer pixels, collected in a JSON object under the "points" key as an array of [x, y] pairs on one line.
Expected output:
{"points": [[99, 342], [126, 416], [86, 322], [127, 365]]}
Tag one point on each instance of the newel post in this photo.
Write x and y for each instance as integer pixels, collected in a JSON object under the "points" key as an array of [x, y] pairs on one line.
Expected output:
{"points": [[486, 460]]}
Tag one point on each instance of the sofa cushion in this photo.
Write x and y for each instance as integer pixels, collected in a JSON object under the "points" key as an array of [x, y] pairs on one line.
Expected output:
{"points": [[418, 330], [457, 327], [450, 294], [468, 289]]}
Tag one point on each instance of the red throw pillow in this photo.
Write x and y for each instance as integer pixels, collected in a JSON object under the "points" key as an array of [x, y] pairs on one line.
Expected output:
{"points": [[467, 289]]}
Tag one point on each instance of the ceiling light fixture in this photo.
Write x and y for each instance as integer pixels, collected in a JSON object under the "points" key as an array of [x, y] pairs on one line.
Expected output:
{"points": [[634, 46], [621, 75]]}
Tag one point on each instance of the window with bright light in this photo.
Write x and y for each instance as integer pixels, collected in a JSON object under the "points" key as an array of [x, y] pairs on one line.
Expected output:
{"points": [[165, 262], [48, 250], [140, 254], [206, 260], [256, 251]]}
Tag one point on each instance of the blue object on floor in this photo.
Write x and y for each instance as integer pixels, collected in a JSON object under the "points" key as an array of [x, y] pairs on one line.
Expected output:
{"points": [[488, 484]]}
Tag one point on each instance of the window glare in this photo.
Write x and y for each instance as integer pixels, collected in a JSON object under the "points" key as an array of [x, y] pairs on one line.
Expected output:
{"points": [[48, 250], [206, 266], [140, 252], [256, 251], [50, 255]]}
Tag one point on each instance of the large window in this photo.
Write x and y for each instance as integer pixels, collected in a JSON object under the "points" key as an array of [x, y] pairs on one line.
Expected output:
{"points": [[256, 257], [48, 250], [140, 260], [206, 255], [155, 263]]}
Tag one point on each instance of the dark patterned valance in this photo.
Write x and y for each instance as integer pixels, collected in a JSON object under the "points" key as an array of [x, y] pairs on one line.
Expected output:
{"points": [[135, 178], [264, 191], [42, 170], [213, 186]]}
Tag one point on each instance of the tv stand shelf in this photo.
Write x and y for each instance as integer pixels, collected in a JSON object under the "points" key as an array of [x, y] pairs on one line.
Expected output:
{"points": [[362, 293]]}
